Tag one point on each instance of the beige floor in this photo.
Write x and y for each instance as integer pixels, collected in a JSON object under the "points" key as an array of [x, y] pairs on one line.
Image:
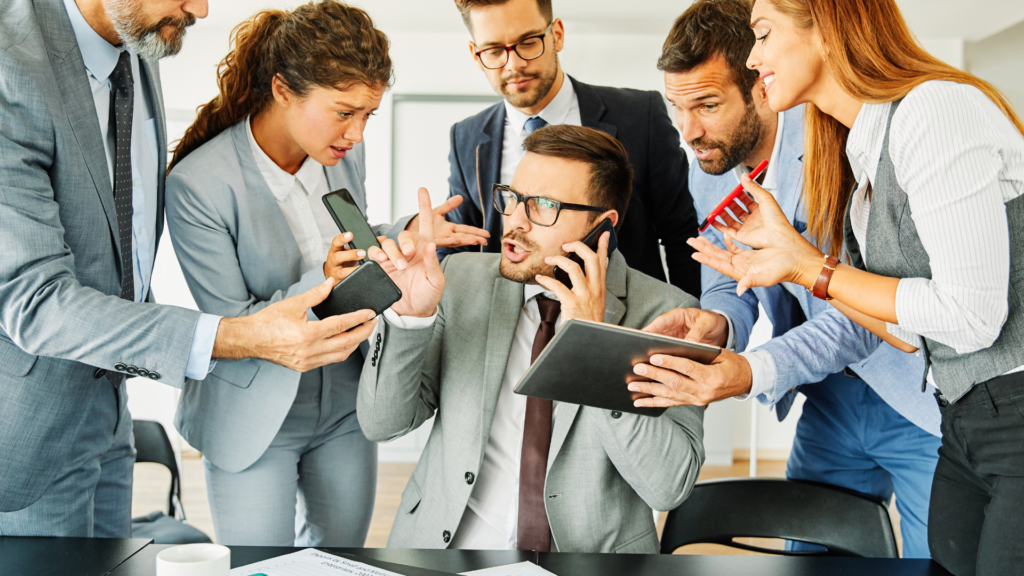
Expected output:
{"points": [[152, 481]]}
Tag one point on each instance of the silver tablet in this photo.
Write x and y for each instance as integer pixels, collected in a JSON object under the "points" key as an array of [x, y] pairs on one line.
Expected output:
{"points": [[590, 363]]}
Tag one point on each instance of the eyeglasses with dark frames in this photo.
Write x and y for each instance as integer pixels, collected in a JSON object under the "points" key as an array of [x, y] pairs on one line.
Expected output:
{"points": [[529, 48], [540, 210]]}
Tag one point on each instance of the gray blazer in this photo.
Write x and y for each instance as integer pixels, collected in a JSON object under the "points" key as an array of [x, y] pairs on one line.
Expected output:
{"points": [[239, 256], [606, 470], [60, 314]]}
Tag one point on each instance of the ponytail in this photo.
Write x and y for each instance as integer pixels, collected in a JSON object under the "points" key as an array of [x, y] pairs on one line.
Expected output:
{"points": [[328, 44]]}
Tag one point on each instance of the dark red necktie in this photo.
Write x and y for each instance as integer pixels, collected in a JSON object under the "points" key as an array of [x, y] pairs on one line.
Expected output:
{"points": [[534, 532]]}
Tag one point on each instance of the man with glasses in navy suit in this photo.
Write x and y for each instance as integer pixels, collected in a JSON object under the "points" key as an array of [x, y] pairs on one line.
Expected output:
{"points": [[516, 44]]}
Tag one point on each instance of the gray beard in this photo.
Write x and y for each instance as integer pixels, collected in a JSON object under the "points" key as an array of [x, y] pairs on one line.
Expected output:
{"points": [[143, 41]]}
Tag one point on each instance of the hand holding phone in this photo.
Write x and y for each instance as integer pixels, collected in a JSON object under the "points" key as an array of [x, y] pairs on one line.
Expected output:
{"points": [[587, 262], [366, 287], [591, 241], [341, 261]]}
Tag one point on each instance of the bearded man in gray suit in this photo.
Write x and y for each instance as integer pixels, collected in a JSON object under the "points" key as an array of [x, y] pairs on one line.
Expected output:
{"points": [[501, 471], [82, 160]]}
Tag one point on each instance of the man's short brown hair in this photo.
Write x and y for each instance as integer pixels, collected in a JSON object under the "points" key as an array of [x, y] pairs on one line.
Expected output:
{"points": [[465, 6], [611, 176], [711, 28]]}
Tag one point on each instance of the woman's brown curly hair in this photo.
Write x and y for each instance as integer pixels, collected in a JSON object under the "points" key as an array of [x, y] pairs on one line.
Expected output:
{"points": [[327, 43]]}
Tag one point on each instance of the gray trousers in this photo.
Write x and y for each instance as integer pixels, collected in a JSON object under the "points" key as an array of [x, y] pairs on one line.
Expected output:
{"points": [[92, 495], [315, 484]]}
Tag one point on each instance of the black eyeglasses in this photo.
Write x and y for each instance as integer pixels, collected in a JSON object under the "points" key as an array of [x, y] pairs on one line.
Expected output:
{"points": [[529, 48], [540, 210]]}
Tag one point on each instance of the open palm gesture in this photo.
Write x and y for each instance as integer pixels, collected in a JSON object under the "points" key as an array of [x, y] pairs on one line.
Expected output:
{"points": [[421, 280]]}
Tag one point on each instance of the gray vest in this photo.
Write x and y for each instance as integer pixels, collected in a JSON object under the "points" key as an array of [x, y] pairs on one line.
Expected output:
{"points": [[896, 251]]}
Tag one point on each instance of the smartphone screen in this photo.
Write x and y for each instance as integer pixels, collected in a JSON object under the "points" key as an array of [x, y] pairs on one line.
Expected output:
{"points": [[349, 218]]}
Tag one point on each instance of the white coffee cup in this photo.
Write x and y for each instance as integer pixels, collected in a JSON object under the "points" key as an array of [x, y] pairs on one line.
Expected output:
{"points": [[194, 560]]}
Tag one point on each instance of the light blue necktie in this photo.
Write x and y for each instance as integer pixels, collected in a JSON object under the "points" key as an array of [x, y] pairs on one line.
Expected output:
{"points": [[534, 124]]}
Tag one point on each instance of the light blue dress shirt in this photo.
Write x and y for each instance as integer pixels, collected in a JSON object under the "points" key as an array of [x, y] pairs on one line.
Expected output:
{"points": [[100, 58]]}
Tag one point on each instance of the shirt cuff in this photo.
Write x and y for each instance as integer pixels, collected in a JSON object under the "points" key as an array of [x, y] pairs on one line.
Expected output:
{"points": [[200, 361], [408, 322], [762, 375], [730, 340]]}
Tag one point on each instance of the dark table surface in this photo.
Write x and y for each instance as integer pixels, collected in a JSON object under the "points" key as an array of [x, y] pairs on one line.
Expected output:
{"points": [[63, 556], [567, 564]]}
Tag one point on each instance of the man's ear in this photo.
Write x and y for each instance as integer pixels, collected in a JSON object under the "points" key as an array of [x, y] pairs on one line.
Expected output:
{"points": [[558, 31], [472, 54], [612, 215], [760, 94]]}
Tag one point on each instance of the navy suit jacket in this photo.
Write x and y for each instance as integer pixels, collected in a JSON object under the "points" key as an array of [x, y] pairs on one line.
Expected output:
{"points": [[660, 209]]}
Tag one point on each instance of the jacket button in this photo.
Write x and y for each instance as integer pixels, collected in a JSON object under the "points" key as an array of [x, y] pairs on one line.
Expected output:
{"points": [[154, 376], [616, 414], [143, 372], [446, 536], [132, 370], [120, 367], [378, 338], [99, 373], [470, 478]]}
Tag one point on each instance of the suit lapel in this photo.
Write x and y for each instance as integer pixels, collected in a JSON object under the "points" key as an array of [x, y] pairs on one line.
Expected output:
{"points": [[506, 302], [73, 82], [488, 157], [614, 311], [592, 108], [275, 237]]}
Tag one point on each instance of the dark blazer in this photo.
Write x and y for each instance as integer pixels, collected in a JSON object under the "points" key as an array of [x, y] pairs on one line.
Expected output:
{"points": [[661, 207]]}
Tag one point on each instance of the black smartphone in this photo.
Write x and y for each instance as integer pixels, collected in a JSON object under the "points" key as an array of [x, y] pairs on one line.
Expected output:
{"points": [[349, 218], [368, 287], [591, 241]]}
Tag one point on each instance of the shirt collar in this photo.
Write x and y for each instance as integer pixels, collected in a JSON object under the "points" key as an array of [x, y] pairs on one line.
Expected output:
{"points": [[100, 56], [279, 181], [771, 176], [556, 112], [864, 144], [531, 291]]}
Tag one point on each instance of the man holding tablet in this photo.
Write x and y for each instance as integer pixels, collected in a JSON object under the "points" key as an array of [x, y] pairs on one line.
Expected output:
{"points": [[866, 425], [502, 471]]}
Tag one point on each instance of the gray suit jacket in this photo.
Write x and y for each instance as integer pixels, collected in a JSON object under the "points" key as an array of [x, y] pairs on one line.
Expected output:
{"points": [[60, 274], [239, 256], [605, 473]]}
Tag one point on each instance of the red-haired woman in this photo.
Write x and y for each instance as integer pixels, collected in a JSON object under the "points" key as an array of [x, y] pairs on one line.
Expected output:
{"points": [[919, 168]]}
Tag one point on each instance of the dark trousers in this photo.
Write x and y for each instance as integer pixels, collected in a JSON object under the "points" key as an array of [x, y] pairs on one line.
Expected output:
{"points": [[976, 521]]}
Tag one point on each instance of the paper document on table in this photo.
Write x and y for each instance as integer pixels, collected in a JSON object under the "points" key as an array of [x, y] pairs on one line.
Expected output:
{"points": [[310, 562], [521, 569]]}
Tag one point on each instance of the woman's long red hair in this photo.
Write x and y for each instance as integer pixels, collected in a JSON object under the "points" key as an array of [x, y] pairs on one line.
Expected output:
{"points": [[874, 57]]}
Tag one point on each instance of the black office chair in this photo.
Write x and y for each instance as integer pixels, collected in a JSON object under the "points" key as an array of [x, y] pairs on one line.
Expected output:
{"points": [[844, 522], [152, 445]]}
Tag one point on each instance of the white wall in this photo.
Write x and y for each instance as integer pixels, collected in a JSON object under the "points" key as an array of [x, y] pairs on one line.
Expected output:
{"points": [[998, 60]]}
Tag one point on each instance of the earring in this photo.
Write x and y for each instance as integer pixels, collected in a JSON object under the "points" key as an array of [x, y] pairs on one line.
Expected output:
{"points": [[824, 56]]}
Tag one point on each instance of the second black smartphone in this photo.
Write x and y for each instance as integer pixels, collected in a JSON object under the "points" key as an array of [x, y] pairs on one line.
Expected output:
{"points": [[591, 241], [368, 287]]}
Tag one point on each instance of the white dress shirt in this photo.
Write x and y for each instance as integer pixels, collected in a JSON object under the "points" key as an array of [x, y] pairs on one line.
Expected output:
{"points": [[491, 520], [959, 159], [100, 58], [564, 108], [299, 197]]}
